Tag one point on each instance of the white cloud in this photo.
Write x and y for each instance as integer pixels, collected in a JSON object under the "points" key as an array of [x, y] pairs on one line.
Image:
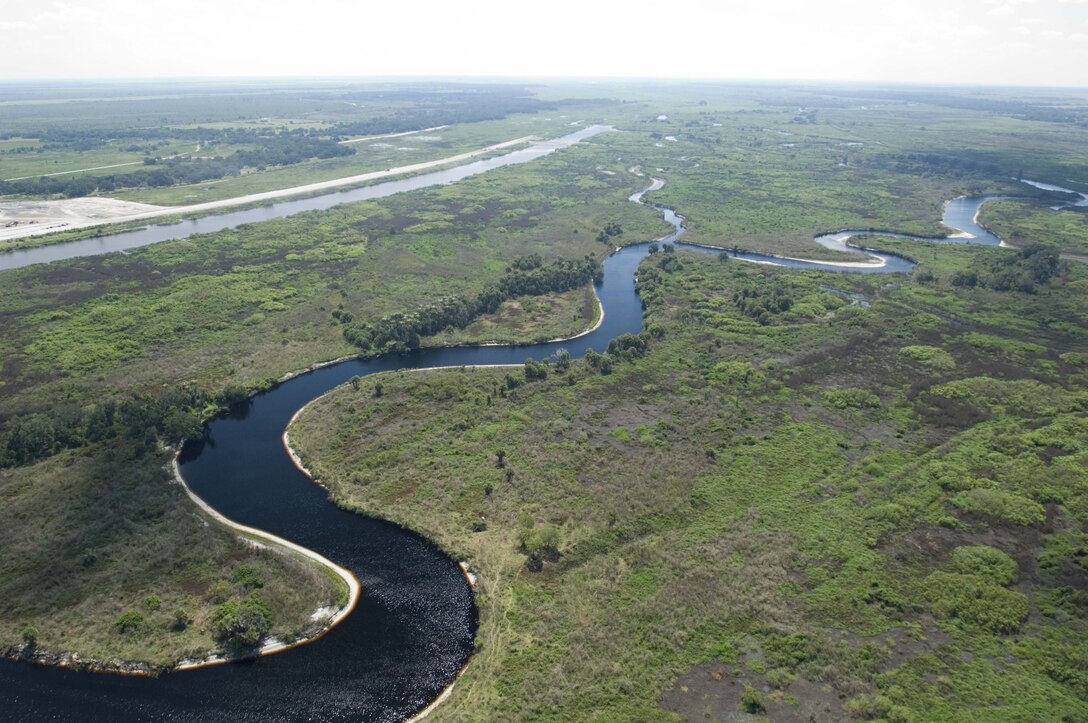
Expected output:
{"points": [[898, 40]]}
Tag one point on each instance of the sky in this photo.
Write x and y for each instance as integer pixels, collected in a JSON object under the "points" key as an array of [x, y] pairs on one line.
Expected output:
{"points": [[990, 42]]}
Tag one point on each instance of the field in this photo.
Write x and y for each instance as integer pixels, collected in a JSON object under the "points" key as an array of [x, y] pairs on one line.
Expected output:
{"points": [[815, 509], [852, 509], [121, 147]]}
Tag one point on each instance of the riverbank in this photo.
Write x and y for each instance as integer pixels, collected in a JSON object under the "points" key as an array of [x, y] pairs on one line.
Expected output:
{"points": [[52, 216], [269, 541], [691, 461]]}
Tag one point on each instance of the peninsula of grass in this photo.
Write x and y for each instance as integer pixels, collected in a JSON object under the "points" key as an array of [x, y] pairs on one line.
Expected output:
{"points": [[127, 575]]}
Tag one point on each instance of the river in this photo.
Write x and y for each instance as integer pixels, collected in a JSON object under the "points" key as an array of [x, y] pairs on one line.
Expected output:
{"points": [[414, 626], [157, 233]]}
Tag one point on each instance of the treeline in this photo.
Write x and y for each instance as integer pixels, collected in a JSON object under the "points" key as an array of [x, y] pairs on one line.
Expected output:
{"points": [[141, 421], [1025, 110], [527, 276], [82, 139], [1023, 271], [278, 150], [948, 164]]}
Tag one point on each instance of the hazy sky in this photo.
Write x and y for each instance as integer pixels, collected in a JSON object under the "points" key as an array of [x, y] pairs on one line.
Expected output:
{"points": [[960, 41]]}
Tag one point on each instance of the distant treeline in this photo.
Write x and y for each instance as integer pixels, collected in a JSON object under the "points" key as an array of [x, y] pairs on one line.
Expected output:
{"points": [[528, 275], [272, 146], [1072, 114], [277, 150], [472, 109]]}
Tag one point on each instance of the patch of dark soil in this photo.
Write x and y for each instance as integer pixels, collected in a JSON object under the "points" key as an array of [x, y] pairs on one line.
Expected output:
{"points": [[901, 645], [930, 546], [713, 691]]}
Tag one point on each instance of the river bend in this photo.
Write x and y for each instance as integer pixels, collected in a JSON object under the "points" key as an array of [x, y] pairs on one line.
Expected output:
{"points": [[415, 623]]}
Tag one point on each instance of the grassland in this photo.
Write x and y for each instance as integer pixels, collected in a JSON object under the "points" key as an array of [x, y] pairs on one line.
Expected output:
{"points": [[692, 493], [171, 312], [92, 535], [802, 508], [1018, 222], [242, 308]]}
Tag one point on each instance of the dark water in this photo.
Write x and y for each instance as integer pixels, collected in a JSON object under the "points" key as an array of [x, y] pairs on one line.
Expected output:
{"points": [[414, 626], [209, 224]]}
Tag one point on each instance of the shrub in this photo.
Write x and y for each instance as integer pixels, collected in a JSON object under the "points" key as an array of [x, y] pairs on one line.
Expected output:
{"points": [[130, 621], [930, 357], [247, 576], [740, 373], [1000, 504], [182, 619], [985, 562], [752, 701], [976, 601], [852, 399], [29, 634]]}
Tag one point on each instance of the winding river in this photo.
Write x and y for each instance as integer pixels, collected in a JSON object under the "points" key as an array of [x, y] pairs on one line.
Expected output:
{"points": [[413, 628]]}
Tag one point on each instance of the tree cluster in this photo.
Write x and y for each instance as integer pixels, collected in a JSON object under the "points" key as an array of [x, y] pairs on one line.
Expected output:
{"points": [[241, 625], [1023, 271], [140, 420], [281, 149], [526, 276], [610, 230], [762, 302]]}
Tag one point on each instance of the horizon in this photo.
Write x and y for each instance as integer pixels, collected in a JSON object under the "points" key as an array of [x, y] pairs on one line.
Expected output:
{"points": [[924, 42]]}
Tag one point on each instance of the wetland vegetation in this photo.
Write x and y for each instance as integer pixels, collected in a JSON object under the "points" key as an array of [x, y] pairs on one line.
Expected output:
{"points": [[796, 492]]}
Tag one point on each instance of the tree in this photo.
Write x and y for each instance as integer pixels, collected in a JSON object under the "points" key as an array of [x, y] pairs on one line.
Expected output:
{"points": [[539, 544], [535, 370], [180, 425], [30, 438], [241, 625]]}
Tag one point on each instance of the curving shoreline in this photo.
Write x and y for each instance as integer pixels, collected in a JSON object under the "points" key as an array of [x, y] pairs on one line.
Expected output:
{"points": [[286, 546], [279, 541]]}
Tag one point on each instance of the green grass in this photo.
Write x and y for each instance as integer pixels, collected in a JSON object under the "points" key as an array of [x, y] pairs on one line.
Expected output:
{"points": [[1020, 223], [704, 512], [763, 497]]}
